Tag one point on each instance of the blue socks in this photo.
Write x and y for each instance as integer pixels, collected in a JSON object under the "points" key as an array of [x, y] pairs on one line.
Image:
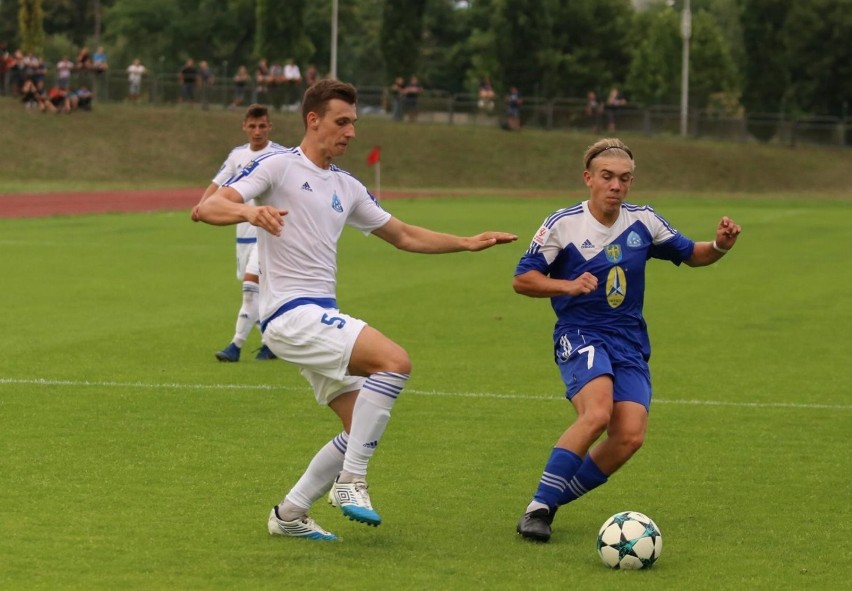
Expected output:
{"points": [[588, 477], [559, 470]]}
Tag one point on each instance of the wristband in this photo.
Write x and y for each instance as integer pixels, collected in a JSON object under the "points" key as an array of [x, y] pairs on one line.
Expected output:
{"points": [[719, 249]]}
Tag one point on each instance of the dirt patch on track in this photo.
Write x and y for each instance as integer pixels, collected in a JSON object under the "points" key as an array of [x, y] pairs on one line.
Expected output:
{"points": [[25, 205], [87, 202]]}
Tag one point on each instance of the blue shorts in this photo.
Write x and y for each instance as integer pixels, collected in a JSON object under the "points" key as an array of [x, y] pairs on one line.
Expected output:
{"points": [[583, 356]]}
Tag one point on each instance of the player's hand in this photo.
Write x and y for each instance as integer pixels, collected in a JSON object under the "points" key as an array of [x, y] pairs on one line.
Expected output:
{"points": [[194, 213], [489, 239], [268, 218], [582, 285], [727, 233]]}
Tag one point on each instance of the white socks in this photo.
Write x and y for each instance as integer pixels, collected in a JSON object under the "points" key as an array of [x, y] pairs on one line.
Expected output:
{"points": [[316, 480], [369, 419], [249, 312]]}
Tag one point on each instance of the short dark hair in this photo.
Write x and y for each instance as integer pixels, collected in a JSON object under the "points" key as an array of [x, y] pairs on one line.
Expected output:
{"points": [[256, 111], [318, 95]]}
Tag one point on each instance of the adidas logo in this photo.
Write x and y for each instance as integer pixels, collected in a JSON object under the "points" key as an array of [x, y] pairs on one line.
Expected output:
{"points": [[307, 187], [587, 244], [372, 444]]}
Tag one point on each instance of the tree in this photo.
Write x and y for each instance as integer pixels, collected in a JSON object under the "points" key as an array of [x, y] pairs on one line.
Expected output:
{"points": [[766, 75], [280, 31], [655, 70], [654, 76], [817, 37], [31, 25], [401, 37]]}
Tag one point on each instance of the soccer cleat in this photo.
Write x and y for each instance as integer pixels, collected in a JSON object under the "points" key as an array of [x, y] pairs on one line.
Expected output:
{"points": [[298, 528], [354, 501], [535, 525], [231, 354], [264, 353]]}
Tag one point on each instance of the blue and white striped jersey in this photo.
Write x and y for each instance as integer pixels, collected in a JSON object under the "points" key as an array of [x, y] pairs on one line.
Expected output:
{"points": [[571, 241]]}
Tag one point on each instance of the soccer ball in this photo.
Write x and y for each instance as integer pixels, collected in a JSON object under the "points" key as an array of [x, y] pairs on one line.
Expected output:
{"points": [[629, 540]]}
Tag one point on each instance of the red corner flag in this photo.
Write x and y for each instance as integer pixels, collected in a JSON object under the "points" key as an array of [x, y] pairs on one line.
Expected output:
{"points": [[373, 157]]}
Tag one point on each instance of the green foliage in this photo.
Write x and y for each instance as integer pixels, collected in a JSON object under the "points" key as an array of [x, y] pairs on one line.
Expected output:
{"points": [[280, 32], [401, 37], [766, 76], [133, 460], [655, 70], [654, 76], [712, 69], [31, 25], [817, 39]]}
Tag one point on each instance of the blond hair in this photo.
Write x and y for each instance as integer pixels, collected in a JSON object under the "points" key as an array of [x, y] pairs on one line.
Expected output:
{"points": [[617, 147]]}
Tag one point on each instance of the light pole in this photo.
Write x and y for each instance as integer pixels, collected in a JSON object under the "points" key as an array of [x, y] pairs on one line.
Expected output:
{"points": [[333, 71], [686, 33]]}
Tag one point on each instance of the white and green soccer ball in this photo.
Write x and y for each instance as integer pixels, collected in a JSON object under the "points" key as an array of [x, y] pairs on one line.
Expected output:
{"points": [[629, 540]]}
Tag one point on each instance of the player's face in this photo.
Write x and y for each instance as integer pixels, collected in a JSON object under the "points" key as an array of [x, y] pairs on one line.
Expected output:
{"points": [[336, 128], [257, 130], [609, 181]]}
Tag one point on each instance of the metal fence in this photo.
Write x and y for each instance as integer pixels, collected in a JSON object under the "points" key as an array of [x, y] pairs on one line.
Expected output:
{"points": [[536, 112]]}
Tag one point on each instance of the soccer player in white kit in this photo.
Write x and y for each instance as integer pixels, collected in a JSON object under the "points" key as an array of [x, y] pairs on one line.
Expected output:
{"points": [[257, 127], [303, 202]]}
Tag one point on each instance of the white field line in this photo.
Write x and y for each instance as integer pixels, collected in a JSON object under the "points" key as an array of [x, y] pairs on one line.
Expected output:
{"points": [[489, 395]]}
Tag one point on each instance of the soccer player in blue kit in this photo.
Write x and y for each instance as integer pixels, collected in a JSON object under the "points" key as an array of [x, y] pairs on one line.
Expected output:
{"points": [[589, 259]]}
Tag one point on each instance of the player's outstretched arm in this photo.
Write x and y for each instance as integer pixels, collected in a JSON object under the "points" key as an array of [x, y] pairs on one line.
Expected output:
{"points": [[707, 253], [416, 239], [209, 191], [226, 207]]}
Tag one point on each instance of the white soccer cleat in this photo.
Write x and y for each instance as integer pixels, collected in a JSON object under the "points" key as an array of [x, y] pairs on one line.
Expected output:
{"points": [[354, 501], [304, 527]]}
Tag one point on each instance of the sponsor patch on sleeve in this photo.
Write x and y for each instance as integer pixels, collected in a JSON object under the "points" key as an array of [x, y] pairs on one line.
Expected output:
{"points": [[541, 236]]}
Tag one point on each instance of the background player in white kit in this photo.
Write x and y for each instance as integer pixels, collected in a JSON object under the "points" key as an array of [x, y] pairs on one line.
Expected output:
{"points": [[353, 368], [257, 127]]}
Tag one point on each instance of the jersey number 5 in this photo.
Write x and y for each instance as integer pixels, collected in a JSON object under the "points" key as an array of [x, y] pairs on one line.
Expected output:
{"points": [[331, 320]]}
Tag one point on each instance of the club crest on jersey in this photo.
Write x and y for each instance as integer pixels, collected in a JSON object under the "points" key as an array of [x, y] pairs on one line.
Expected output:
{"points": [[336, 205], [616, 287], [248, 168], [633, 240], [613, 253], [541, 235]]}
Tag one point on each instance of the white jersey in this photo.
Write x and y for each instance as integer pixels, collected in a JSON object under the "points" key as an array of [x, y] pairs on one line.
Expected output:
{"points": [[240, 157], [302, 261]]}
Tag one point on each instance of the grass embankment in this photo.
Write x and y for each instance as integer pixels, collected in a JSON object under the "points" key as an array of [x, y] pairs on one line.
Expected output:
{"points": [[124, 146]]}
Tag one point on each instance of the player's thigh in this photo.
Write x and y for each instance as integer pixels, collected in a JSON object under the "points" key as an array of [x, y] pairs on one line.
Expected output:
{"points": [[582, 359], [314, 338], [244, 253], [252, 266], [629, 421], [375, 352]]}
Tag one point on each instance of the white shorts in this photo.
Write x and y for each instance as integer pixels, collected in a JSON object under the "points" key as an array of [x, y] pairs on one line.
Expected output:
{"points": [[320, 341], [247, 260]]}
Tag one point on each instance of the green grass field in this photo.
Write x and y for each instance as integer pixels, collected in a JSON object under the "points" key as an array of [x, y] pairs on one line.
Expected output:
{"points": [[131, 459]]}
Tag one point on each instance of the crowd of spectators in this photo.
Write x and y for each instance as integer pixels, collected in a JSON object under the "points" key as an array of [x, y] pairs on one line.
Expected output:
{"points": [[278, 84], [24, 76]]}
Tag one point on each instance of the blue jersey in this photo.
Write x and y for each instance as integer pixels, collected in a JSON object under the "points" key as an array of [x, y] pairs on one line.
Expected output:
{"points": [[571, 242]]}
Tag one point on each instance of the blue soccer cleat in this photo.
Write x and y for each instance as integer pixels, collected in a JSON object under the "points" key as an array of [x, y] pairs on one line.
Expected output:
{"points": [[264, 354], [231, 354]]}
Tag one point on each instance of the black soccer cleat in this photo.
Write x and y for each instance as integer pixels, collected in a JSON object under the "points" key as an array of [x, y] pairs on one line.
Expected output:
{"points": [[535, 525]]}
